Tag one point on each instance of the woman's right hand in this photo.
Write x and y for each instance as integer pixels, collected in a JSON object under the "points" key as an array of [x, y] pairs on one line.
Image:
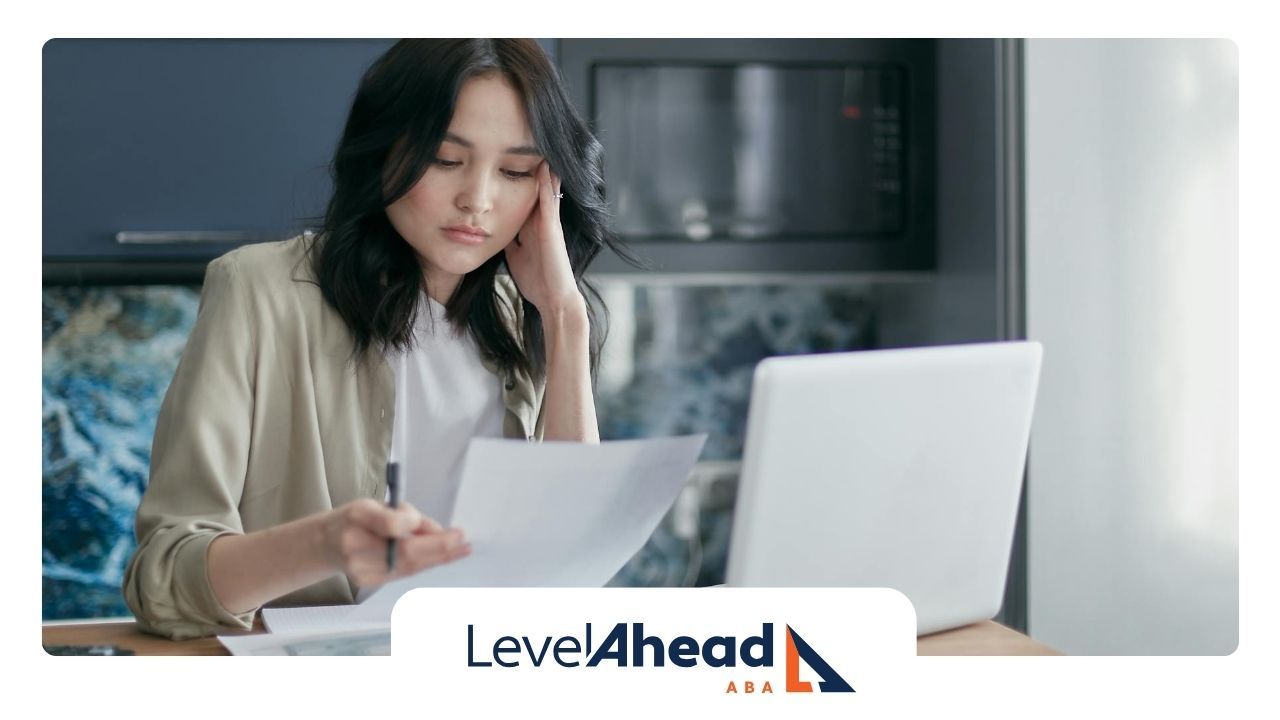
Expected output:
{"points": [[356, 534]]}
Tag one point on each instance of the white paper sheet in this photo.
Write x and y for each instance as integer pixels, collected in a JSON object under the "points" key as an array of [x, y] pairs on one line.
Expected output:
{"points": [[333, 642], [552, 514], [313, 618]]}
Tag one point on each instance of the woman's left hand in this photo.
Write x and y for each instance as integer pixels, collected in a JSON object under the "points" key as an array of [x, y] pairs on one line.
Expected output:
{"points": [[538, 259]]}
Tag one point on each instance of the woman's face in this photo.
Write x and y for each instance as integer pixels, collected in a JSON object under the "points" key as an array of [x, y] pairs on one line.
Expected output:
{"points": [[483, 177]]}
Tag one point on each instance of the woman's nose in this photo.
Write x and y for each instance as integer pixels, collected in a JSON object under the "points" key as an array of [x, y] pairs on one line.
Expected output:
{"points": [[475, 196]]}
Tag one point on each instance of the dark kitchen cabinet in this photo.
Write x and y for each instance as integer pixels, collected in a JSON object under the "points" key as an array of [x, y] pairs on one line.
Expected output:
{"points": [[189, 135]]}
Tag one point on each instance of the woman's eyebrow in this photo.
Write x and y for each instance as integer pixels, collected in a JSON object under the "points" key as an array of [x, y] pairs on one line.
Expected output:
{"points": [[519, 150]]}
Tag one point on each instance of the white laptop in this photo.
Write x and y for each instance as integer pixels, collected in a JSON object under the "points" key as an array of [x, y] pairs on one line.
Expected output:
{"points": [[888, 468]]}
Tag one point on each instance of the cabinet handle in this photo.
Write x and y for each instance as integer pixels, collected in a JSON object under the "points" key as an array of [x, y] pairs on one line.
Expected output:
{"points": [[163, 237]]}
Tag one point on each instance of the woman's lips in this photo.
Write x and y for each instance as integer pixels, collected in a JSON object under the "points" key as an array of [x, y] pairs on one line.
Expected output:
{"points": [[465, 238]]}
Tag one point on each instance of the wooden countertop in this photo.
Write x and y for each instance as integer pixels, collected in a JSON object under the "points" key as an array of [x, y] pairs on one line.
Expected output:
{"points": [[984, 638]]}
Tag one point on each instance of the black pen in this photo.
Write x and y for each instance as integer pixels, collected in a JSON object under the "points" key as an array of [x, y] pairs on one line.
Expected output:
{"points": [[393, 488]]}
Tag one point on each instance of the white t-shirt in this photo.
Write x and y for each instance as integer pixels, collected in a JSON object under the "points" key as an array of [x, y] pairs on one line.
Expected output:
{"points": [[444, 397]]}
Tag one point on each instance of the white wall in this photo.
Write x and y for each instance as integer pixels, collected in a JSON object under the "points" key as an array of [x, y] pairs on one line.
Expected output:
{"points": [[1132, 193]]}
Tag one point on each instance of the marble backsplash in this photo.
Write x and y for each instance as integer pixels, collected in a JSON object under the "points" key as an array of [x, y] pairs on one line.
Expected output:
{"points": [[108, 355], [679, 360]]}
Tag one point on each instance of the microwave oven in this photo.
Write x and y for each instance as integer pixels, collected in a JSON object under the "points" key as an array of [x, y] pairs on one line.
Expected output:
{"points": [[778, 155]]}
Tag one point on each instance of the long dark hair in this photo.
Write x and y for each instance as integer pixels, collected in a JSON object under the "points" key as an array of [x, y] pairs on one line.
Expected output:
{"points": [[405, 101]]}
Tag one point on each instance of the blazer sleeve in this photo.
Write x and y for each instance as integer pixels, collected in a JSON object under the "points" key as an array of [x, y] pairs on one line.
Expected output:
{"points": [[512, 309], [199, 457]]}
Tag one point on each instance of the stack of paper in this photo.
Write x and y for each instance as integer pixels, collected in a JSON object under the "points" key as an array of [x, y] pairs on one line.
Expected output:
{"points": [[552, 514]]}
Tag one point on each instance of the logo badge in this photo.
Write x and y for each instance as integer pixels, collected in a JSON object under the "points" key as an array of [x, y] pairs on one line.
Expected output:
{"points": [[797, 650]]}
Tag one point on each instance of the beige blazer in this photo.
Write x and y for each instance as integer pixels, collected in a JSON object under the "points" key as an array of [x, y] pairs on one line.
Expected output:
{"points": [[265, 422]]}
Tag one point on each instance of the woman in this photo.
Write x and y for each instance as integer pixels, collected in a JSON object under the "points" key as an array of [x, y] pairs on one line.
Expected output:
{"points": [[389, 335]]}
